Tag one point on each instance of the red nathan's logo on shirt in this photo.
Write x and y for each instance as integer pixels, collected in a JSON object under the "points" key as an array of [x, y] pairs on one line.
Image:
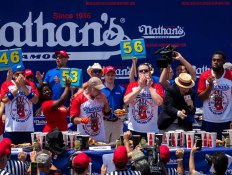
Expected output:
{"points": [[20, 109], [94, 125]]}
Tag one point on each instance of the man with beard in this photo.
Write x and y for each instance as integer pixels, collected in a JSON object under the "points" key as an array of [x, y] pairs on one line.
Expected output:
{"points": [[88, 110], [214, 89]]}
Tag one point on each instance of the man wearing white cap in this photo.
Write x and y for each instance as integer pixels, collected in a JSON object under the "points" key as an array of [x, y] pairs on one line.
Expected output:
{"points": [[178, 107], [88, 109]]}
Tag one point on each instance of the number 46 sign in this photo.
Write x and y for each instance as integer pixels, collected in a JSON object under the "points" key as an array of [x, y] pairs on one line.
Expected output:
{"points": [[74, 74], [8, 58], [133, 48]]}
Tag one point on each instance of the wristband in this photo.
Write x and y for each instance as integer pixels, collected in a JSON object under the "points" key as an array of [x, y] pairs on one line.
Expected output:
{"points": [[30, 96], [72, 119], [10, 96], [179, 160], [107, 113]]}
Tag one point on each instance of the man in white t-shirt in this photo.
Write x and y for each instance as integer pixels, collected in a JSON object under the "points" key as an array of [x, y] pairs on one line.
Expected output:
{"points": [[19, 95], [215, 90], [88, 109], [143, 97]]}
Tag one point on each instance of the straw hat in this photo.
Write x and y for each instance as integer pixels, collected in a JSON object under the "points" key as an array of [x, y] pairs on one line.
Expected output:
{"points": [[94, 66], [184, 80]]}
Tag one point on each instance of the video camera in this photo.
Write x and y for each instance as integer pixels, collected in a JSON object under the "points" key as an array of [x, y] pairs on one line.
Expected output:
{"points": [[209, 159], [166, 54], [154, 159]]}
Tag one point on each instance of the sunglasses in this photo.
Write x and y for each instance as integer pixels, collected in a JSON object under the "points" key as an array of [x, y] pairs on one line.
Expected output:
{"points": [[143, 71], [95, 71], [59, 56]]}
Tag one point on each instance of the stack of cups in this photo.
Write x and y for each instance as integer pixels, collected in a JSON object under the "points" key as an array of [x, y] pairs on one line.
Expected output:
{"points": [[182, 139], [190, 139], [151, 139], [65, 137], [204, 137], [35, 135], [212, 136], [42, 140]]}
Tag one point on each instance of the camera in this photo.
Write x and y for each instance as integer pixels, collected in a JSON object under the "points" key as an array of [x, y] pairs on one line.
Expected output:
{"points": [[154, 159], [209, 159], [166, 56]]}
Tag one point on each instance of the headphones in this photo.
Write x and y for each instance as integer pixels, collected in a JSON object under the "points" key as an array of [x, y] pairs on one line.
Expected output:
{"points": [[70, 159]]}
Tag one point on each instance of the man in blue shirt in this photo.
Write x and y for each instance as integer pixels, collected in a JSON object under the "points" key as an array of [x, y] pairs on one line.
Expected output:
{"points": [[114, 94], [52, 76]]}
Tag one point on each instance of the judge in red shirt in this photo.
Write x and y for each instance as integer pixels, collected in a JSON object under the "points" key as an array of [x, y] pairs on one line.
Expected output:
{"points": [[54, 110]]}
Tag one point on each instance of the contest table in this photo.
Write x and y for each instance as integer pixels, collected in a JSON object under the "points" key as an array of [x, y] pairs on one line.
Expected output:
{"points": [[62, 161]]}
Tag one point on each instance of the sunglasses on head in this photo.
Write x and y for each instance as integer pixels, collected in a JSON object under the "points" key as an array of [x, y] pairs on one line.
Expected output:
{"points": [[143, 71], [96, 71]]}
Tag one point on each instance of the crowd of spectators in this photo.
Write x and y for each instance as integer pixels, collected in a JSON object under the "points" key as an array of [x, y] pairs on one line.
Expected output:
{"points": [[154, 104]]}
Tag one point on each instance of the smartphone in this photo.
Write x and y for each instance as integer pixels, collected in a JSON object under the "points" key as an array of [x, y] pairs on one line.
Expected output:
{"points": [[34, 168], [199, 144]]}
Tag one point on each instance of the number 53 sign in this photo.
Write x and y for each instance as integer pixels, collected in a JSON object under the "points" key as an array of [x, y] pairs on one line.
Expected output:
{"points": [[8, 58], [74, 74], [133, 48]]}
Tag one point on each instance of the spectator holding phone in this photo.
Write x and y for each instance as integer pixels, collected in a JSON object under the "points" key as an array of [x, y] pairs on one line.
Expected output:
{"points": [[219, 163]]}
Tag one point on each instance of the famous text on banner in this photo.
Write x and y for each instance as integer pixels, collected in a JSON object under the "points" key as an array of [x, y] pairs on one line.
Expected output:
{"points": [[74, 73], [8, 58], [133, 48]]}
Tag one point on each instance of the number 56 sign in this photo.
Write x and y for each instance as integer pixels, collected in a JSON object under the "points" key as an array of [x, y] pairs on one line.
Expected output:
{"points": [[133, 48], [8, 58], [74, 74]]}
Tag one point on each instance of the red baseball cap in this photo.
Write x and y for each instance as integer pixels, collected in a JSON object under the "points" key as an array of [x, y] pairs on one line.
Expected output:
{"points": [[81, 161], [120, 156], [108, 69], [7, 142], [28, 72], [63, 53], [165, 154], [2, 149]]}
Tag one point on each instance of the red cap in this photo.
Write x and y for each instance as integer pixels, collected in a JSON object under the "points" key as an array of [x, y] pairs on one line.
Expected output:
{"points": [[63, 53], [165, 154], [120, 156], [7, 142], [109, 69], [81, 160], [2, 149], [28, 72]]}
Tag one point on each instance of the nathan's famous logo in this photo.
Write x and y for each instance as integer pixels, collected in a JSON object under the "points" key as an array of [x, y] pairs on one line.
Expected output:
{"points": [[105, 32], [94, 125], [200, 70], [218, 102], [20, 109], [162, 31], [142, 112]]}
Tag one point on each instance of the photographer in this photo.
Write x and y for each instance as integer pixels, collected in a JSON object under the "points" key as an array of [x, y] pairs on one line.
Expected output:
{"points": [[219, 162], [183, 67]]}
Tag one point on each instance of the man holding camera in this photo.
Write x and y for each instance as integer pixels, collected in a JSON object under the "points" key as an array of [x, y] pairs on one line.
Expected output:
{"points": [[143, 97], [183, 67]]}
